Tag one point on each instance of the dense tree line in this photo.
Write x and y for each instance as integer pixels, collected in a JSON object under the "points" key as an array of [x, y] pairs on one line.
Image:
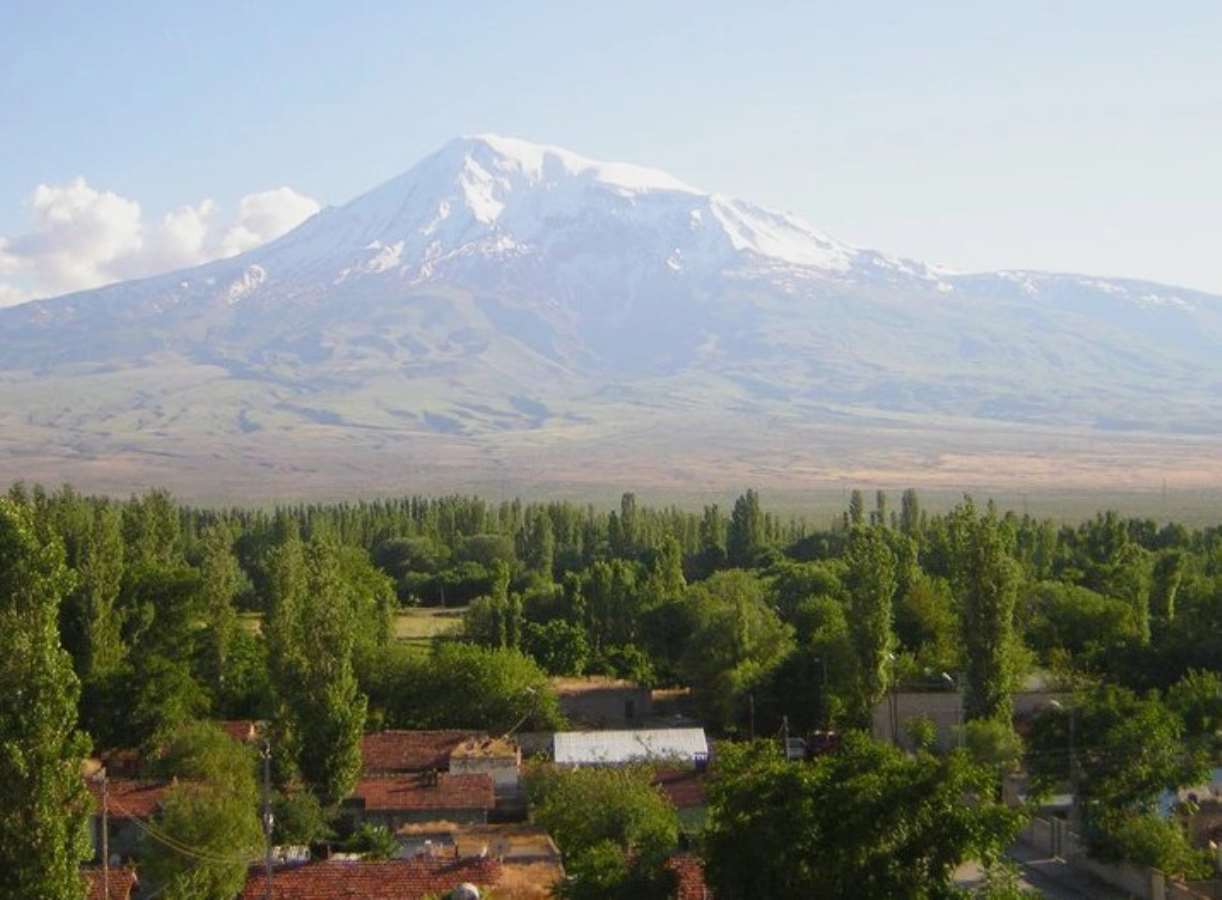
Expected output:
{"points": [[168, 614]]}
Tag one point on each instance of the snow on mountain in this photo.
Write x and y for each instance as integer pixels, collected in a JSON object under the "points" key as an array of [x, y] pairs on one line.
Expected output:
{"points": [[497, 274], [489, 198]]}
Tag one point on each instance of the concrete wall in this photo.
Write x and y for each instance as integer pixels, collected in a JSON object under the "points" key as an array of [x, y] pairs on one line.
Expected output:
{"points": [[124, 838], [607, 707], [394, 819], [1052, 838], [943, 708], [503, 770]]}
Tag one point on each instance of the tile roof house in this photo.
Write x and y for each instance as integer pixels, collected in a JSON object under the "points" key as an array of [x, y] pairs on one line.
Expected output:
{"points": [[683, 787], [399, 879], [397, 800], [121, 881], [126, 800], [689, 877], [244, 731], [411, 751]]}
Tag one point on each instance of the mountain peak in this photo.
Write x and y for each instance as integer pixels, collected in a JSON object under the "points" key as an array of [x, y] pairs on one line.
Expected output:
{"points": [[540, 163]]}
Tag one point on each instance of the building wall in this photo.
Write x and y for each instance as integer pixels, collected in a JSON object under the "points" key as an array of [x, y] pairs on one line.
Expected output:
{"points": [[943, 708], [124, 837], [503, 770], [607, 707], [394, 819]]}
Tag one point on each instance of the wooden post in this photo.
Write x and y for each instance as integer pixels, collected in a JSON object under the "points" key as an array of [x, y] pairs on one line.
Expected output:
{"points": [[105, 838]]}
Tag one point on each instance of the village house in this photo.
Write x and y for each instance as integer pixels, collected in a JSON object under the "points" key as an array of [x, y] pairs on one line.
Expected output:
{"points": [[116, 883], [601, 702], [394, 752], [396, 800], [678, 746], [530, 860], [128, 802], [689, 877], [398, 879]]}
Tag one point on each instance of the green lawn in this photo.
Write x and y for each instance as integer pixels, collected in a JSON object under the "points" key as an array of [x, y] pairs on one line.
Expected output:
{"points": [[416, 627], [425, 623]]}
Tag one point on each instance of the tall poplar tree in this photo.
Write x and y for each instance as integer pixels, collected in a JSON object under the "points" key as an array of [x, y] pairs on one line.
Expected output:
{"points": [[986, 581], [43, 802], [221, 578], [311, 637], [871, 583], [745, 538]]}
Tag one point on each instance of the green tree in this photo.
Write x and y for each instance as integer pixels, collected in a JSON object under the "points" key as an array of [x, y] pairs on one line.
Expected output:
{"points": [[736, 638], [857, 508], [910, 513], [745, 538], [1168, 575], [712, 532], [870, 581], [311, 639], [1197, 700], [43, 801], [866, 822], [541, 546], [207, 832], [1127, 751], [559, 647], [613, 825], [91, 621], [462, 685], [985, 579], [221, 577]]}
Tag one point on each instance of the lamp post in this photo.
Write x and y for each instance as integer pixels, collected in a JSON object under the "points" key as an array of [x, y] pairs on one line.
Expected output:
{"points": [[894, 704], [1073, 759], [949, 680], [825, 711]]}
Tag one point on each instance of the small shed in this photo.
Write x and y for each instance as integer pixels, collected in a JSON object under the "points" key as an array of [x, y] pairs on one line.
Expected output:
{"points": [[617, 748]]}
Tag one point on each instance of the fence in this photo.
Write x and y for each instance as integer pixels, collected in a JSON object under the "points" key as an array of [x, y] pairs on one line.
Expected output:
{"points": [[1054, 837]]}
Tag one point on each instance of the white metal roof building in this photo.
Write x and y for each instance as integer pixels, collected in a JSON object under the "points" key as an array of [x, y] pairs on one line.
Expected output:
{"points": [[614, 748]]}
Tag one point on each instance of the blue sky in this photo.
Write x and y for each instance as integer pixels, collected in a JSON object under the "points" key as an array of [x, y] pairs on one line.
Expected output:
{"points": [[1069, 136]]}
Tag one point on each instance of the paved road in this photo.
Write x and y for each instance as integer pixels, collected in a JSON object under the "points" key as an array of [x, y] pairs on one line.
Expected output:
{"points": [[1058, 879], [1053, 877]]}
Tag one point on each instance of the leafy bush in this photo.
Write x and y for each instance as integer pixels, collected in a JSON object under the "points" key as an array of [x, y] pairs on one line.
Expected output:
{"points": [[1149, 840]]}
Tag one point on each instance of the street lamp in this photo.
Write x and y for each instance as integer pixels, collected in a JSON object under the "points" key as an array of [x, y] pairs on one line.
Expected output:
{"points": [[894, 704], [1073, 760], [950, 682]]}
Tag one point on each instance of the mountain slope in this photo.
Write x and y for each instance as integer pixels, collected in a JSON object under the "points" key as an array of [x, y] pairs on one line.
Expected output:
{"points": [[500, 287]]}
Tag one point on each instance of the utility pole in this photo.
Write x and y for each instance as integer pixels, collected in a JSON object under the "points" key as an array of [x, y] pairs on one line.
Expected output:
{"points": [[105, 837], [785, 735], [267, 815]]}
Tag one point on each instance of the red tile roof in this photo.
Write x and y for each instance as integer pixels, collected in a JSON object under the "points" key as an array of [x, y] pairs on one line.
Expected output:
{"points": [[241, 730], [422, 792], [399, 879], [683, 787], [122, 881], [129, 798], [689, 877], [411, 751]]}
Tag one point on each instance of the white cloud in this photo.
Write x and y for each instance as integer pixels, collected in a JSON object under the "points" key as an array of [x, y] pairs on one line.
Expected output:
{"points": [[265, 216], [82, 237]]}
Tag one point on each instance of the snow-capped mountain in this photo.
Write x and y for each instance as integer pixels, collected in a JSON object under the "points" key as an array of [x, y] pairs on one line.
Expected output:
{"points": [[501, 286]]}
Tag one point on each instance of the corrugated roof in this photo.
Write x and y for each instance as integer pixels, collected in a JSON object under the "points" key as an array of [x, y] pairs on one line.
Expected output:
{"points": [[618, 747]]}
